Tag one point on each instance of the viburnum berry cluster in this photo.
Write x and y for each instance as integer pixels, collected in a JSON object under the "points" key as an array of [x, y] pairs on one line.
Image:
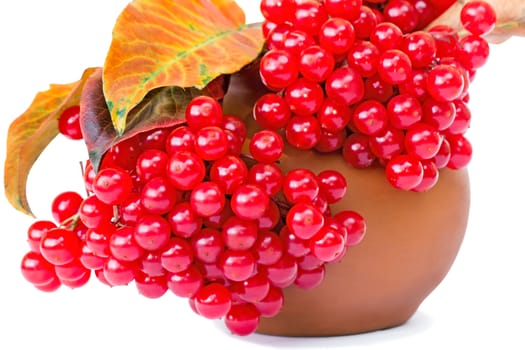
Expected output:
{"points": [[364, 78], [183, 209], [203, 209]]}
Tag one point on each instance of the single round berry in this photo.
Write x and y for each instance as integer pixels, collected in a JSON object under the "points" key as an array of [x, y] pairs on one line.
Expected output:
{"points": [[65, 206], [357, 152], [277, 11], [445, 83], [304, 97], [207, 199], [333, 117], [333, 185], [478, 17], [158, 195], [112, 185], [211, 143], [394, 66], [363, 56], [266, 146], [242, 319], [229, 172], [123, 246], [69, 123], [249, 202], [185, 283], [423, 141], [239, 234], [316, 63], [420, 48], [337, 35], [370, 117], [300, 185], [404, 172], [152, 232], [203, 111], [278, 69], [237, 265], [386, 36], [177, 255], [213, 301], [345, 86], [181, 139], [460, 151], [59, 246], [304, 220], [185, 170], [303, 132], [152, 287], [35, 232], [328, 244], [36, 269], [271, 112]]}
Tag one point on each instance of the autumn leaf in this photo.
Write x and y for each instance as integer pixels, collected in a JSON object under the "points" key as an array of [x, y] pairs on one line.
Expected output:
{"points": [[162, 107], [31, 132], [184, 43]]}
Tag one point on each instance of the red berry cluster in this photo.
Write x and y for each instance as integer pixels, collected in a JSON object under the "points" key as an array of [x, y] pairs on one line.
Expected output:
{"points": [[182, 209], [363, 79]]}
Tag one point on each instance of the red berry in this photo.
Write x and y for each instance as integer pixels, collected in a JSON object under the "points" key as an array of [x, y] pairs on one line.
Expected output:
{"points": [[333, 117], [309, 16], [151, 163], [242, 319], [278, 69], [345, 86], [271, 112], [402, 13], [152, 232], [158, 196], [239, 234], [59, 246], [203, 111], [357, 152], [277, 11], [445, 83], [370, 117], [304, 220], [354, 224], [207, 199], [185, 170], [386, 36], [269, 248], [347, 9], [363, 56], [211, 143], [327, 244], [176, 255], [35, 232], [181, 139], [478, 17], [123, 246], [237, 265], [69, 123], [303, 132], [272, 302], [394, 66], [300, 185], [423, 141], [309, 279], [36, 269], [430, 176], [266, 146], [152, 287], [420, 48], [404, 172], [207, 245], [336, 35], [229, 172], [213, 301], [316, 63], [184, 222], [65, 206], [185, 283], [460, 151], [249, 202], [118, 273], [112, 185]]}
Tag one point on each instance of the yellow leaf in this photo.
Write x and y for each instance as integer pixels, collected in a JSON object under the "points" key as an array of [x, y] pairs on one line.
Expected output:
{"points": [[183, 43], [31, 132]]}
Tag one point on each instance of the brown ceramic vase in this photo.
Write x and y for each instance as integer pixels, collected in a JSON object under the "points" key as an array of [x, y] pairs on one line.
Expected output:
{"points": [[411, 242]]}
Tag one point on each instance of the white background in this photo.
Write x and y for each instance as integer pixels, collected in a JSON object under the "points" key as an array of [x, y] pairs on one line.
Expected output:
{"points": [[480, 304]]}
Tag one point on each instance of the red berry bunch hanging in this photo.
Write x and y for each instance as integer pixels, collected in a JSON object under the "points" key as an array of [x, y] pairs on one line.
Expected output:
{"points": [[204, 210], [362, 78], [183, 209]]}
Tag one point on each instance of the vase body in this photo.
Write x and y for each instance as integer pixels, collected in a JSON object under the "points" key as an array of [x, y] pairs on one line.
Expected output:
{"points": [[411, 242]]}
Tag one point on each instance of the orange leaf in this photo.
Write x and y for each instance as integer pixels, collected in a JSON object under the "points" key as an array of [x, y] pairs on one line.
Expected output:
{"points": [[183, 43], [31, 132]]}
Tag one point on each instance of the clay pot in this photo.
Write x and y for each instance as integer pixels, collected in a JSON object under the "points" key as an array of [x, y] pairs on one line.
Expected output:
{"points": [[411, 242]]}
